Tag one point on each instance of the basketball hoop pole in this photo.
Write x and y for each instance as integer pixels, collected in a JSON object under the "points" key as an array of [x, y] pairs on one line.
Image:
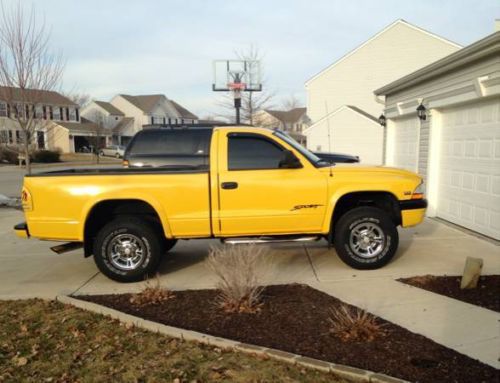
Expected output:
{"points": [[236, 88]]}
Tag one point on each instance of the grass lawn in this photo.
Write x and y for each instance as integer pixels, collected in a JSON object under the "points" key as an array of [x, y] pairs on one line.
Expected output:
{"points": [[44, 341]]}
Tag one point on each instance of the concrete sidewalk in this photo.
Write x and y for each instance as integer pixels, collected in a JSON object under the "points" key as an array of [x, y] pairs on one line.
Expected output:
{"points": [[30, 269]]}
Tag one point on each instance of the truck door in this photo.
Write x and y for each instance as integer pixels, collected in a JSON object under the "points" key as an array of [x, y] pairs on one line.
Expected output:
{"points": [[256, 196]]}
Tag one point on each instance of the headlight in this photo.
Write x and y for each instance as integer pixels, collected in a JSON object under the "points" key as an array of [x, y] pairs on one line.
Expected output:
{"points": [[418, 193]]}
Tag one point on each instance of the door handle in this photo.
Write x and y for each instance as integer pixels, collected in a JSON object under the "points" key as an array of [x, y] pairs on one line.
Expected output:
{"points": [[229, 185]]}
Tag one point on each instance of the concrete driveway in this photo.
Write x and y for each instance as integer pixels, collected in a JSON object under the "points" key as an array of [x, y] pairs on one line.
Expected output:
{"points": [[29, 269]]}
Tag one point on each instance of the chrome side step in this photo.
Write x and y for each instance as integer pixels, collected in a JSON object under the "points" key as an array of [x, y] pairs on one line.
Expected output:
{"points": [[240, 241]]}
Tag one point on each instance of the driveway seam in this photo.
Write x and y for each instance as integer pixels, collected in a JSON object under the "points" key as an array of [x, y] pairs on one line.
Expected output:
{"points": [[311, 263], [85, 283]]}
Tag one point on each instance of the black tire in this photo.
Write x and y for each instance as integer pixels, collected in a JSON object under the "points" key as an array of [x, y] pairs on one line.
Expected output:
{"points": [[362, 230], [117, 155], [147, 239]]}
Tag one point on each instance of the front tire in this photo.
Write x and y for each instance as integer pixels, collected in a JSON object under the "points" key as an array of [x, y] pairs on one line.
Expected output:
{"points": [[128, 250], [366, 238]]}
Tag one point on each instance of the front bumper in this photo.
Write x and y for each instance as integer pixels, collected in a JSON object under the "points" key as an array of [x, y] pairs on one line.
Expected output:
{"points": [[21, 230], [412, 211]]}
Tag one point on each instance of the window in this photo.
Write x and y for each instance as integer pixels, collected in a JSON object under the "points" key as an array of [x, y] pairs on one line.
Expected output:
{"points": [[55, 113], [61, 114], [67, 114], [38, 111], [173, 142], [18, 137], [4, 137], [247, 151], [72, 114], [77, 112], [3, 109]]}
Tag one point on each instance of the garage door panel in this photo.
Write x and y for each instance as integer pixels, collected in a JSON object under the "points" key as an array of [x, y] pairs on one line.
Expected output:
{"points": [[469, 179]]}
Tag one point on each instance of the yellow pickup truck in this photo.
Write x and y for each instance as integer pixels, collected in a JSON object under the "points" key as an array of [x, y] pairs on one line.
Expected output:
{"points": [[239, 184]]}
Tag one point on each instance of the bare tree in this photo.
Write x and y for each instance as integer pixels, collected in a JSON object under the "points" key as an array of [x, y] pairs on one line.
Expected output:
{"points": [[251, 102], [28, 69], [81, 99], [98, 136], [291, 102]]}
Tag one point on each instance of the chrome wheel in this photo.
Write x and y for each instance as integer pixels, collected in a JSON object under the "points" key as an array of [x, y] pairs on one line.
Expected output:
{"points": [[367, 239], [126, 251]]}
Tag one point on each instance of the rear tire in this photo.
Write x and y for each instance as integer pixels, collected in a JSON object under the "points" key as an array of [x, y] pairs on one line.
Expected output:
{"points": [[128, 249], [366, 238]]}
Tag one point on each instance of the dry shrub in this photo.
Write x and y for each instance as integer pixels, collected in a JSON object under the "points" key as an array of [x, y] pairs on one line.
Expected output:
{"points": [[238, 269], [152, 294], [352, 323]]}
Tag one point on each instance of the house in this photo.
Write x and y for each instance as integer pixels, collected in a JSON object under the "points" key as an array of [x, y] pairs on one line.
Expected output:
{"points": [[293, 121], [443, 121], [348, 130], [340, 100], [51, 109], [125, 114], [71, 137]]}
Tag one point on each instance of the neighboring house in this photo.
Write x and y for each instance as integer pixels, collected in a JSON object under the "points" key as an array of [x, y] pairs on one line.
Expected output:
{"points": [[125, 115], [344, 90], [71, 137], [293, 121], [52, 109], [348, 130], [456, 148]]}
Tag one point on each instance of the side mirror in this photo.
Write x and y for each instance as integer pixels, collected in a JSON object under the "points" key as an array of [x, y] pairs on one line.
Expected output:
{"points": [[289, 161]]}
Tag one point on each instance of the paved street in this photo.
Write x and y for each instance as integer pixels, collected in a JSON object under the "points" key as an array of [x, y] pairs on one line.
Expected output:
{"points": [[30, 269]]}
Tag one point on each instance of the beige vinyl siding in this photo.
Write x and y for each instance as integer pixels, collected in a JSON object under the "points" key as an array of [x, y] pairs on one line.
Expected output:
{"points": [[395, 52], [350, 133], [423, 149]]}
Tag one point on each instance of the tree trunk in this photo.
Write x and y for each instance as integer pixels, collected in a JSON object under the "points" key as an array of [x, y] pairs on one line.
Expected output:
{"points": [[27, 155]]}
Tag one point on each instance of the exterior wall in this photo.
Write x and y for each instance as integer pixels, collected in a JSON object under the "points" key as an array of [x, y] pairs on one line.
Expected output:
{"points": [[266, 120], [423, 147], [479, 80], [92, 110], [58, 138], [398, 51], [130, 110], [358, 136]]}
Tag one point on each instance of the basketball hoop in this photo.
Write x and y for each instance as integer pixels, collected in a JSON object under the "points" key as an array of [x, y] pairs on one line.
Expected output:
{"points": [[237, 86]]}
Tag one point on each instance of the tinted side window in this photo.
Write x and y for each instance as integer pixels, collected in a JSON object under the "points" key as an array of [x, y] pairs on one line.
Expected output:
{"points": [[251, 152], [173, 142]]}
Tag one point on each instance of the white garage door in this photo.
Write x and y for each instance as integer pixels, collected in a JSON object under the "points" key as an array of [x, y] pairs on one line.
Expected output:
{"points": [[469, 178], [406, 143]]}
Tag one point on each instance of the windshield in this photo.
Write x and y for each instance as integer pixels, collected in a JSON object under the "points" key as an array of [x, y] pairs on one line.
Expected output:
{"points": [[314, 159]]}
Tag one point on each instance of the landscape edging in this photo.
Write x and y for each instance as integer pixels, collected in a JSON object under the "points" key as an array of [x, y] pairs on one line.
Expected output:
{"points": [[346, 372]]}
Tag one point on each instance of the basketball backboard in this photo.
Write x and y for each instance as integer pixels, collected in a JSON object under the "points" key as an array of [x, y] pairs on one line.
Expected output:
{"points": [[243, 75]]}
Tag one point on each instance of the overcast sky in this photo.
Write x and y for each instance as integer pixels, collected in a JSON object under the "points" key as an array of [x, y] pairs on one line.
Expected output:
{"points": [[147, 47]]}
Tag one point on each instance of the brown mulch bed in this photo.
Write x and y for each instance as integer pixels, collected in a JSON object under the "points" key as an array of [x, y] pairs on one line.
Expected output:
{"points": [[487, 293], [295, 318]]}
